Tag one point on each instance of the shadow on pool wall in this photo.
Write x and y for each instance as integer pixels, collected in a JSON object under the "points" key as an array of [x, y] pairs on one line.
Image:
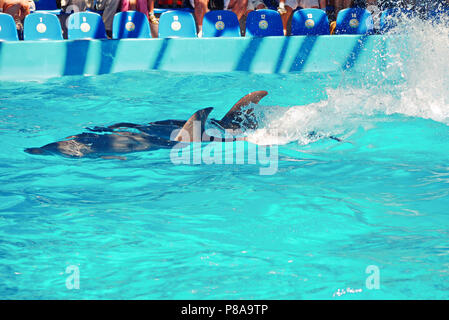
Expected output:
{"points": [[29, 60]]}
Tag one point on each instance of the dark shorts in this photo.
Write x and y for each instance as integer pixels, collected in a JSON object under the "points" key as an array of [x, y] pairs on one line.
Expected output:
{"points": [[359, 3]]}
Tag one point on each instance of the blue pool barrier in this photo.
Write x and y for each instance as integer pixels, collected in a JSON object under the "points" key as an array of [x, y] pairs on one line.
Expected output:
{"points": [[42, 26], [85, 25], [8, 31], [26, 60], [310, 22], [221, 23], [130, 24], [177, 24], [354, 21], [263, 23]]}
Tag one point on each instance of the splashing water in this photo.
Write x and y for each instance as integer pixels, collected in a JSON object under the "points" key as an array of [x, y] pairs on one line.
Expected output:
{"points": [[420, 49]]}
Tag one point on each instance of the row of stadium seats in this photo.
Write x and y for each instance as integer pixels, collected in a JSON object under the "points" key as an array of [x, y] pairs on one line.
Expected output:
{"points": [[131, 24], [266, 22]]}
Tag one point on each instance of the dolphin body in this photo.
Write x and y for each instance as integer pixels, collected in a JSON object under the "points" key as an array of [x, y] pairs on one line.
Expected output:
{"points": [[106, 141]]}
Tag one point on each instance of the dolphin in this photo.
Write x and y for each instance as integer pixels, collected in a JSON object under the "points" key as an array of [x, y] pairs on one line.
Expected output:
{"points": [[104, 142]]}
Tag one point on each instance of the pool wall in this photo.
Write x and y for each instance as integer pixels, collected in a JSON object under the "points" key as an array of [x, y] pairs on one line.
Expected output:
{"points": [[28, 60]]}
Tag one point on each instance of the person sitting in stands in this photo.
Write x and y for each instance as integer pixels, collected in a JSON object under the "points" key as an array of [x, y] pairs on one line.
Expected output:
{"points": [[254, 5], [18, 9], [341, 4], [201, 8], [318, 4], [238, 7], [285, 9], [144, 6], [152, 17], [109, 8]]}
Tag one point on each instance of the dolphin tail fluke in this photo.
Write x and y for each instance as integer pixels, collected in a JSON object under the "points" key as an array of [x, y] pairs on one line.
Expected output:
{"points": [[235, 117], [193, 129]]}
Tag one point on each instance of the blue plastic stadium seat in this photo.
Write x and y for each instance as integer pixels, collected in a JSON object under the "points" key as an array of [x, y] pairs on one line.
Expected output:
{"points": [[391, 17], [47, 6], [162, 10], [8, 31], [221, 23], [264, 22], [42, 26], [130, 24], [307, 22], [177, 23], [85, 25], [354, 21]]}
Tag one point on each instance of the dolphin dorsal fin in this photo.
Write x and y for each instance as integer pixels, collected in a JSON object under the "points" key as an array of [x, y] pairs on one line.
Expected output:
{"points": [[236, 110], [193, 129]]}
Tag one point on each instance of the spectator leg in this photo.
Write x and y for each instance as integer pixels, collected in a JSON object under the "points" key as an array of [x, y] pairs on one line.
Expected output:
{"points": [[285, 17], [333, 26], [242, 23], [132, 5], [154, 22], [238, 7], [200, 11], [110, 9], [258, 7], [18, 11], [323, 4], [151, 6]]}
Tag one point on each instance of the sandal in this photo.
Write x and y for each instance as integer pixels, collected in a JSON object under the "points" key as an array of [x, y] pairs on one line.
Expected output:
{"points": [[19, 25], [282, 11], [153, 19]]}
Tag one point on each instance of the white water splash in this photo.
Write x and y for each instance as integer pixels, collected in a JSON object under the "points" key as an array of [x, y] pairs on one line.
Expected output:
{"points": [[425, 92], [422, 55]]}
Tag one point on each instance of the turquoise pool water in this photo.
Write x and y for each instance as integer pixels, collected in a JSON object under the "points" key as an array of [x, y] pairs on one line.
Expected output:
{"points": [[145, 228]]}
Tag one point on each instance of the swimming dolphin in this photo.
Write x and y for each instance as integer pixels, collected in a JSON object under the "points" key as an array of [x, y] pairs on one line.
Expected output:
{"points": [[155, 135], [236, 118]]}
